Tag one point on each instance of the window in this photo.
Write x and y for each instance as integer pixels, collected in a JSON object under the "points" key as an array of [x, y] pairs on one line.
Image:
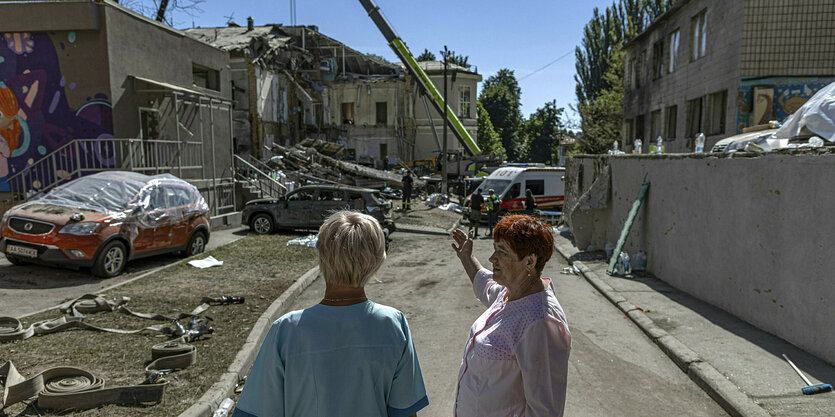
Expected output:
{"points": [[464, 102], [382, 113], [633, 63], [331, 195], [205, 77], [301, 195], [716, 104], [348, 113], [693, 124], [629, 131], [672, 51], [515, 191], [149, 119], [655, 124], [698, 36], [639, 69], [671, 126], [658, 59], [537, 187], [639, 128]]}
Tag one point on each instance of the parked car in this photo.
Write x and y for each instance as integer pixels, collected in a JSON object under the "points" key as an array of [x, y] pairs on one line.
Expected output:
{"points": [[104, 220], [308, 206]]}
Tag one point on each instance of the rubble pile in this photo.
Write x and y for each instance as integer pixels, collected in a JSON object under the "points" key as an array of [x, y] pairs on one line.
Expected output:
{"points": [[307, 164]]}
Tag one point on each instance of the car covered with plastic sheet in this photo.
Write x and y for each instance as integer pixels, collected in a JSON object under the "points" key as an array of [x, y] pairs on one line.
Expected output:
{"points": [[102, 221]]}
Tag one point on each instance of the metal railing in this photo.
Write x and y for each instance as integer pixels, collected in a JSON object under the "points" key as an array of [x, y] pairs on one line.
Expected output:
{"points": [[86, 156], [267, 185]]}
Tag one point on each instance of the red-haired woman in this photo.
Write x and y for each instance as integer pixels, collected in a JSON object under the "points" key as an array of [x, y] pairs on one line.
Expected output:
{"points": [[9, 127], [516, 359]]}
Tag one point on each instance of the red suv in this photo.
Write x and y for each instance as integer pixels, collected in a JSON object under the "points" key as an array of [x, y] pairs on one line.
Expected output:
{"points": [[103, 220]]}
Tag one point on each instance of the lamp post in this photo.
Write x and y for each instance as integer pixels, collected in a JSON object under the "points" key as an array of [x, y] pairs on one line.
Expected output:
{"points": [[444, 157]]}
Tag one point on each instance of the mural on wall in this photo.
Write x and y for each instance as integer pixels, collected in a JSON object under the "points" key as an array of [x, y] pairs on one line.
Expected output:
{"points": [[762, 100], [36, 116]]}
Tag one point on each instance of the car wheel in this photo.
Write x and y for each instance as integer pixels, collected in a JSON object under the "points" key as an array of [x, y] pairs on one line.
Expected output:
{"points": [[196, 243], [261, 224], [15, 260], [111, 260]]}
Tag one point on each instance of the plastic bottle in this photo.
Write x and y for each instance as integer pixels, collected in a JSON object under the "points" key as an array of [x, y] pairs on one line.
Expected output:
{"points": [[610, 248], [700, 143], [615, 148], [659, 145], [638, 146], [619, 267], [223, 409], [623, 266], [639, 262]]}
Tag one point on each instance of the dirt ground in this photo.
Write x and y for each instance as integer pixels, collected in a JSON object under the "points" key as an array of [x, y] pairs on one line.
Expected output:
{"points": [[258, 268]]}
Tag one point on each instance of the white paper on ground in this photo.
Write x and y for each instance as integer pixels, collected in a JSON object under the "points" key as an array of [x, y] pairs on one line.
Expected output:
{"points": [[205, 263]]}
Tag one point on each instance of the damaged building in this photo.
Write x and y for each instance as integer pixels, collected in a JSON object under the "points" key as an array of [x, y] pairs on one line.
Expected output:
{"points": [[308, 85]]}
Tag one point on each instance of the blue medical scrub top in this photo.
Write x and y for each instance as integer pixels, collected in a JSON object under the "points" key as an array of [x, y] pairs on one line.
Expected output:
{"points": [[326, 361]]}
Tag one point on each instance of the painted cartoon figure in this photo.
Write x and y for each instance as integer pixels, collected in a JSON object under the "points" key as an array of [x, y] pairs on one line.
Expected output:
{"points": [[9, 128]]}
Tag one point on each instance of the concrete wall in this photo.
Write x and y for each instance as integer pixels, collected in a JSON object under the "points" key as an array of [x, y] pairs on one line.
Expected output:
{"points": [[138, 46], [53, 80], [718, 70], [426, 147], [749, 234]]}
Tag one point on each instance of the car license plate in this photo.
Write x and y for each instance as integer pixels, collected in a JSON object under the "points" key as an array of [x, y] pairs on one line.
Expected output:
{"points": [[22, 251]]}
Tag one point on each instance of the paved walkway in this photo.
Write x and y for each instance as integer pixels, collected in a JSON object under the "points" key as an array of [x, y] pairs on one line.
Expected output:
{"points": [[739, 365]]}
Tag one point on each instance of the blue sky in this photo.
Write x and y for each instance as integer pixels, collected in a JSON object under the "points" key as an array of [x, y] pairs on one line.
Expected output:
{"points": [[523, 35]]}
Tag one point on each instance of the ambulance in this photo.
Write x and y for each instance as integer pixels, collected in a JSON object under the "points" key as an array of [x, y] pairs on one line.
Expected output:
{"points": [[510, 182]]}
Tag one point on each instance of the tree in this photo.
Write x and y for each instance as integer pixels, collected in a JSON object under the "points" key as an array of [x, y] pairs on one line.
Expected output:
{"points": [[163, 10], [602, 117], [377, 57], [543, 130], [501, 98], [426, 55], [488, 140], [459, 60]]}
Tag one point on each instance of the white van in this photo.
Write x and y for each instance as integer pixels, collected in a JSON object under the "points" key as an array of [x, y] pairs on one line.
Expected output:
{"points": [[510, 183]]}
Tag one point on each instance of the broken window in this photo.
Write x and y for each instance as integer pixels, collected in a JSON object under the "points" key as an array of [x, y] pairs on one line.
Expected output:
{"points": [[671, 125], [698, 35], [658, 59], [205, 77], [672, 51], [382, 113], [464, 102], [348, 113], [716, 104], [693, 123], [655, 124]]}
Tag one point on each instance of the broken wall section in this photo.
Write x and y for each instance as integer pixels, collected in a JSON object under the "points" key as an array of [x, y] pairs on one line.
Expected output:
{"points": [[747, 233]]}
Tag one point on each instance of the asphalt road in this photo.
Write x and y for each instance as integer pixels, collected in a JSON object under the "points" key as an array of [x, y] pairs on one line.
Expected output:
{"points": [[615, 370], [28, 289]]}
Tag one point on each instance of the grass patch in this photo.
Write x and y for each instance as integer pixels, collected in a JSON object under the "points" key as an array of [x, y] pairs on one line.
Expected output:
{"points": [[259, 268]]}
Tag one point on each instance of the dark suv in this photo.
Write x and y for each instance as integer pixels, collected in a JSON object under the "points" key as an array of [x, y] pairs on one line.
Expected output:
{"points": [[309, 206]]}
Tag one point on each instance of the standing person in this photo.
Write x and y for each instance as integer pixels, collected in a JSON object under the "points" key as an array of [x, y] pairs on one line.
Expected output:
{"points": [[530, 202], [475, 204], [346, 356], [407, 191], [516, 358], [492, 211]]}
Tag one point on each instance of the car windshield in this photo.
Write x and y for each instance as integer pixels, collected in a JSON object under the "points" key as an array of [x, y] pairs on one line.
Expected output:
{"points": [[104, 194], [498, 186]]}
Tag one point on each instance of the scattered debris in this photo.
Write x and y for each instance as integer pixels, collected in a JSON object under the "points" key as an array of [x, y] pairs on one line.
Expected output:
{"points": [[455, 208], [571, 270], [209, 262], [436, 200], [310, 240]]}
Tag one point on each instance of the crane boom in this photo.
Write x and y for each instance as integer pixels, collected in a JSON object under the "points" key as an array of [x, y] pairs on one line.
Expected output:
{"points": [[402, 51]]}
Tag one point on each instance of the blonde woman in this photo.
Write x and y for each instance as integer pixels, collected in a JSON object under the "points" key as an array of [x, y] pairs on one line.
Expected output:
{"points": [[346, 356]]}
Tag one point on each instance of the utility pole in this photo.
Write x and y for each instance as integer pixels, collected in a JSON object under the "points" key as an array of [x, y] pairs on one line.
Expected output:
{"points": [[444, 189]]}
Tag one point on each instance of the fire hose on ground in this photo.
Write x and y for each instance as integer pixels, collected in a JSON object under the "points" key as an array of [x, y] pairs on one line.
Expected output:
{"points": [[65, 387]]}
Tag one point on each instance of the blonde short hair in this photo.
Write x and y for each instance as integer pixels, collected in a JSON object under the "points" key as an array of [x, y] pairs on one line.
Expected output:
{"points": [[352, 248]]}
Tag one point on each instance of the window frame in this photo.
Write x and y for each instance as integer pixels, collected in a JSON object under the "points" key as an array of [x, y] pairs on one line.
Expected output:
{"points": [[464, 105], [711, 119], [670, 127], [673, 42], [658, 59], [691, 128], [384, 106], [698, 35]]}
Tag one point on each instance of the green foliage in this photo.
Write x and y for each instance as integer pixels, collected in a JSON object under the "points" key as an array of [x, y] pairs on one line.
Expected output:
{"points": [[501, 98], [377, 57], [426, 55], [459, 60], [488, 140], [543, 130], [599, 66]]}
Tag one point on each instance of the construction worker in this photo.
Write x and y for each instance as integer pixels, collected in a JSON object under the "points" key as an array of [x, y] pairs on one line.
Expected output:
{"points": [[407, 191], [475, 204], [492, 211]]}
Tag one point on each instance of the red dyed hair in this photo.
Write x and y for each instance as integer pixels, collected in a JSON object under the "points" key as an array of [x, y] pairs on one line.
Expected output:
{"points": [[526, 235], [9, 108]]}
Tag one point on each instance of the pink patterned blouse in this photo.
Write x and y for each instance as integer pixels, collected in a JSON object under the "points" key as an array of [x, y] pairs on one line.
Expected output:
{"points": [[516, 359]]}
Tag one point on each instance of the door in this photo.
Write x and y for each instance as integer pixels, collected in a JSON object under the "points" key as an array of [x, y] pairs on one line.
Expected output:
{"points": [[179, 200], [296, 214]]}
